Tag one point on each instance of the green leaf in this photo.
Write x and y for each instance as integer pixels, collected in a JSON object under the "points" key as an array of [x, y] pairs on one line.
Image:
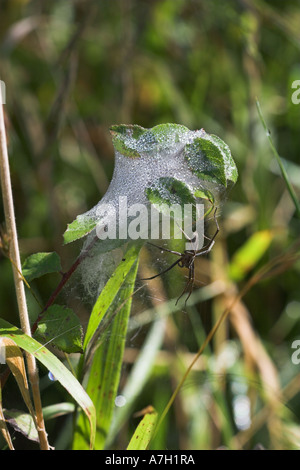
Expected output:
{"points": [[143, 433], [130, 130], [38, 264], [168, 134], [230, 166], [104, 375], [77, 229], [56, 367], [22, 422], [167, 191], [124, 137], [206, 160], [58, 409], [131, 140], [204, 194], [60, 327]]}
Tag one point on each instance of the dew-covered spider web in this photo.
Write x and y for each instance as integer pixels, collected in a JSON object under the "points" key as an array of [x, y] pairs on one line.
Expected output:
{"points": [[154, 168]]}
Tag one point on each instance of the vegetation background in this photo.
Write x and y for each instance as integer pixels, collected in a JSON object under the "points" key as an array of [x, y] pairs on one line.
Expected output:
{"points": [[74, 68]]}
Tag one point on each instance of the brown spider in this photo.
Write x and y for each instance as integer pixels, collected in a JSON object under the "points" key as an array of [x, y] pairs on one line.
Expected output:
{"points": [[187, 260]]}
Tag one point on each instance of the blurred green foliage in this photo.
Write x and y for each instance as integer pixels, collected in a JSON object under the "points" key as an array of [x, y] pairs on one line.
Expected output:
{"points": [[72, 69]]}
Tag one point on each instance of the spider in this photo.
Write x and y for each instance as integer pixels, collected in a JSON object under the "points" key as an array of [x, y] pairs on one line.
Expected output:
{"points": [[187, 260]]}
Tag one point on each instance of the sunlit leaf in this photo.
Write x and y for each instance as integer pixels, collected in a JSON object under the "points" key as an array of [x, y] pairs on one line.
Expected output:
{"points": [[143, 433], [249, 254], [77, 229]]}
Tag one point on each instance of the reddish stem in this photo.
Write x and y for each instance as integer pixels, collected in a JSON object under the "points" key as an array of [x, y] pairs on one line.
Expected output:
{"points": [[66, 276]]}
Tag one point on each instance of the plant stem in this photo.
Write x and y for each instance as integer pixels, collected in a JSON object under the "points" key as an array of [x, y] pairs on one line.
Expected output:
{"points": [[281, 166], [17, 269]]}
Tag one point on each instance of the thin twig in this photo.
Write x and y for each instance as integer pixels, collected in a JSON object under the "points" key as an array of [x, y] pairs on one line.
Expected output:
{"points": [[19, 285]]}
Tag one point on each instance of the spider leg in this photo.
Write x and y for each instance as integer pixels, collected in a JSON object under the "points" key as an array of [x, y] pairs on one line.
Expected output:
{"points": [[159, 274], [193, 240], [208, 247], [186, 236], [189, 283], [217, 225], [183, 292], [165, 249]]}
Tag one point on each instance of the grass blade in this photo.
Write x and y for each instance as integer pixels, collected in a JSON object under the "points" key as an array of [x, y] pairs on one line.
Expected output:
{"points": [[54, 365], [14, 360], [248, 255], [143, 433], [105, 371], [109, 292], [139, 374]]}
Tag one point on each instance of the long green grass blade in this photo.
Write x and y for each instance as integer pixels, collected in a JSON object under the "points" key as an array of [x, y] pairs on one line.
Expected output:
{"points": [[109, 292], [143, 433], [139, 374], [56, 367], [104, 376], [247, 256]]}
